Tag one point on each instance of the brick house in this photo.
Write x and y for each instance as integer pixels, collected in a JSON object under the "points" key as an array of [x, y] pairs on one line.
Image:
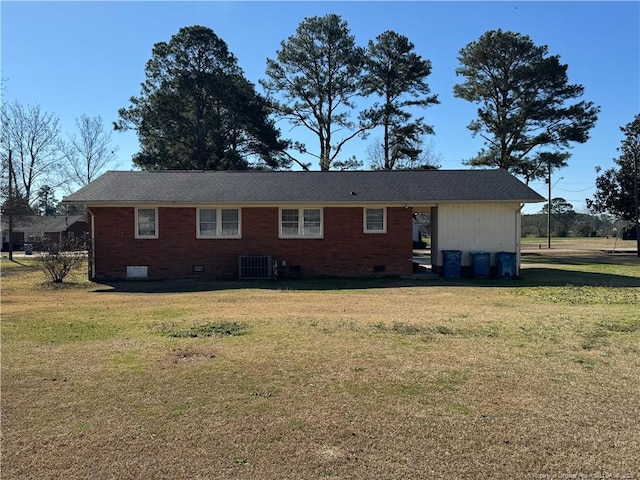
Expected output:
{"points": [[249, 224], [38, 230]]}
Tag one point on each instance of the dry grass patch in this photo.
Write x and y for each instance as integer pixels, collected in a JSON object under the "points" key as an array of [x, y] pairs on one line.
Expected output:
{"points": [[471, 379]]}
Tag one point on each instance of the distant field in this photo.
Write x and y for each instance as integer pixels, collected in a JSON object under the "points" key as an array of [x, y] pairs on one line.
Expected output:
{"points": [[596, 243], [324, 379]]}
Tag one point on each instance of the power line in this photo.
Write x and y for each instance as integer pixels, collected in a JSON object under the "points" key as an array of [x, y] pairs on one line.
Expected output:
{"points": [[576, 191]]}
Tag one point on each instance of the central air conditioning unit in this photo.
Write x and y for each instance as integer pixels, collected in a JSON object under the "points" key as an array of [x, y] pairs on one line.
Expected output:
{"points": [[256, 267]]}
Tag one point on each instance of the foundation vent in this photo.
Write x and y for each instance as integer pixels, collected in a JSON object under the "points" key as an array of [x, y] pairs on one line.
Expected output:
{"points": [[256, 267]]}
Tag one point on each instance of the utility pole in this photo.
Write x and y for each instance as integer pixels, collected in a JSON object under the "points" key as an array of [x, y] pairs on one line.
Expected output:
{"points": [[549, 208], [635, 194], [10, 202]]}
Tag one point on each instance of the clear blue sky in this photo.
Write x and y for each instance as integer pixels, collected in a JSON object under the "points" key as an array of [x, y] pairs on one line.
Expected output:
{"points": [[77, 58]]}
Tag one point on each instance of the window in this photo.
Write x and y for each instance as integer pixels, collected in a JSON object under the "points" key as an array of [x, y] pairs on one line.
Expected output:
{"points": [[301, 222], [312, 222], [146, 223], [218, 222], [289, 225], [375, 220], [230, 222], [207, 222]]}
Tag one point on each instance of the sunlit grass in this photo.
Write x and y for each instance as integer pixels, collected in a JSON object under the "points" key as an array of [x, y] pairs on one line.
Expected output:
{"points": [[392, 378], [591, 243]]}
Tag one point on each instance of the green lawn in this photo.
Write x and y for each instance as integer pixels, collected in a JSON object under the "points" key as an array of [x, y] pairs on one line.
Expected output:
{"points": [[581, 243], [315, 379]]}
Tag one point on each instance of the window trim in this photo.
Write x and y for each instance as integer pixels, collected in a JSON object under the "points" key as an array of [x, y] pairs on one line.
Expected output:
{"points": [[137, 224], [218, 233], [384, 220], [301, 222]]}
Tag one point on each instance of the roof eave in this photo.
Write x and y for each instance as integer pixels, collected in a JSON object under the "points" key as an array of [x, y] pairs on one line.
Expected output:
{"points": [[336, 203]]}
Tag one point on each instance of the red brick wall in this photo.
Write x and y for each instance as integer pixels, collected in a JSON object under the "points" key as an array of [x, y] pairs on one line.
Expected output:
{"points": [[344, 251], [79, 229]]}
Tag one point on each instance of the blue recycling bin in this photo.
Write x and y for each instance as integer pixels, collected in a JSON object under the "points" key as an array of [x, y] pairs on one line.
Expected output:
{"points": [[480, 263], [451, 260], [506, 264]]}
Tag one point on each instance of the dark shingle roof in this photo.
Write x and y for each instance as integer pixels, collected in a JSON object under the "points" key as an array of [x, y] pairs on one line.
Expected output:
{"points": [[46, 224], [252, 187]]}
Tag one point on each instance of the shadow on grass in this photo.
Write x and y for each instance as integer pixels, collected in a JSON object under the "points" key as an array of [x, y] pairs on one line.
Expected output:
{"points": [[16, 262], [530, 277], [16, 267], [550, 277]]}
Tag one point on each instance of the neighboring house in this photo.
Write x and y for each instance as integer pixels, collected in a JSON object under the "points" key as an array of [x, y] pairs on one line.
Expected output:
{"points": [[247, 224], [37, 230]]}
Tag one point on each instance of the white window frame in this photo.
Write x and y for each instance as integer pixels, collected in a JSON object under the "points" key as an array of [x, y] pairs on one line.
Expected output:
{"points": [[365, 223], [301, 233], [219, 230], [137, 223]]}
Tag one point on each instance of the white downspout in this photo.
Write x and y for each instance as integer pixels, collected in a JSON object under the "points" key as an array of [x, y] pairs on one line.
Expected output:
{"points": [[518, 234], [93, 245]]}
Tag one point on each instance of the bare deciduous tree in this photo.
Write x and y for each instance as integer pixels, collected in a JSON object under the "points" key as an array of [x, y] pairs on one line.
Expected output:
{"points": [[89, 150], [33, 137], [428, 159]]}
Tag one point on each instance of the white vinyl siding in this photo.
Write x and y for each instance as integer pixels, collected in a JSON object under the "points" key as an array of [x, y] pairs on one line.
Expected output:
{"points": [[301, 223], [375, 220], [146, 223], [490, 227], [218, 223]]}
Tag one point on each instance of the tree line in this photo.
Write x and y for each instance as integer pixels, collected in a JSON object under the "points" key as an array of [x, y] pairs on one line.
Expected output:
{"points": [[37, 159], [196, 110], [566, 222]]}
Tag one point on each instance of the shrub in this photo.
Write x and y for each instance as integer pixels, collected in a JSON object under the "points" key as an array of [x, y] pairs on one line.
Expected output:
{"points": [[58, 259]]}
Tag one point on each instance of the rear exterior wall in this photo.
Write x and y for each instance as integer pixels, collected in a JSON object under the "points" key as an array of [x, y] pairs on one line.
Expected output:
{"points": [[345, 250]]}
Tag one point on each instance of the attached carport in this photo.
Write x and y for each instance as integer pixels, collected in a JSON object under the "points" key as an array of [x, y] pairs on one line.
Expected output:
{"points": [[467, 227]]}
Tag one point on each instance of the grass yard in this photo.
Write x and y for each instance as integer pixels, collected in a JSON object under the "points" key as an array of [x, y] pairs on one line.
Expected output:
{"points": [[324, 379], [579, 243]]}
